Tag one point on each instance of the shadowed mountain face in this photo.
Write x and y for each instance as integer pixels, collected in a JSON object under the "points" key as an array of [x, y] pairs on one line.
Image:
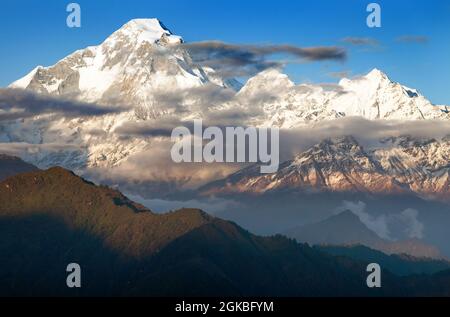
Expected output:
{"points": [[51, 218], [11, 165], [347, 229], [105, 213]]}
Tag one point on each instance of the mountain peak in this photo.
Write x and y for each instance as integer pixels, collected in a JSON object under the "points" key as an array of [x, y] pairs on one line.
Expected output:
{"points": [[269, 80], [269, 75], [146, 29], [347, 216], [151, 24], [376, 74]]}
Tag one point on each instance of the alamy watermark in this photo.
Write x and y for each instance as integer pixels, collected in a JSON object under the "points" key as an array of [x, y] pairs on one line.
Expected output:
{"points": [[73, 20], [73, 280], [374, 278], [227, 144], [374, 18]]}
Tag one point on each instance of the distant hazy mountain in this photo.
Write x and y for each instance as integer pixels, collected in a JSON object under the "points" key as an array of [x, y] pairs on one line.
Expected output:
{"points": [[51, 218], [343, 228], [346, 228], [11, 165]]}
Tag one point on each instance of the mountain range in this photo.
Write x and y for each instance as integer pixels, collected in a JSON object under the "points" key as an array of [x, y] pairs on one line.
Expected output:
{"points": [[127, 249], [372, 96], [53, 217], [394, 166], [143, 81], [148, 70]]}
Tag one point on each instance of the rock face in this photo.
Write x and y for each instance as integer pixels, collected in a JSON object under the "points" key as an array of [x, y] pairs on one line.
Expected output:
{"points": [[397, 165]]}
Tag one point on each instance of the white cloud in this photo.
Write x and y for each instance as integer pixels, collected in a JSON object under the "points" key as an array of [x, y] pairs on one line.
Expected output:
{"points": [[383, 225]]}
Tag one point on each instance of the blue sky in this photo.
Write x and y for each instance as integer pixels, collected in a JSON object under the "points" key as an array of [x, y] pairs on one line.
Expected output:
{"points": [[35, 33]]}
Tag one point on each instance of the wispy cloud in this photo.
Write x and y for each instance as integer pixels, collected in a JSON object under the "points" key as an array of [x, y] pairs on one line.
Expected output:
{"points": [[367, 132], [243, 60], [406, 221], [153, 168], [22, 104], [161, 127], [418, 39], [212, 205], [341, 74], [360, 41]]}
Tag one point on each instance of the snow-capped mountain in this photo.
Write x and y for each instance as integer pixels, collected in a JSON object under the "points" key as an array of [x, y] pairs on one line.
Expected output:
{"points": [[129, 66], [143, 61], [373, 96], [136, 64], [396, 165]]}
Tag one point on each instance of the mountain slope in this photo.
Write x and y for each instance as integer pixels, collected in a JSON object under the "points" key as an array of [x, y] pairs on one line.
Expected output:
{"points": [[106, 212], [69, 218], [51, 218]]}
